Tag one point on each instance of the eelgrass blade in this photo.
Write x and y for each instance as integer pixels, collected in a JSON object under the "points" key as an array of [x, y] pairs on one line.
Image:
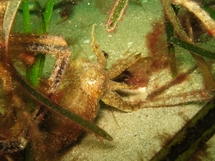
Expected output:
{"points": [[116, 14], [171, 16], [207, 75], [195, 50], [192, 48], [55, 107], [40, 10], [10, 13], [34, 72], [26, 16], [205, 71], [171, 49], [48, 13], [191, 137]]}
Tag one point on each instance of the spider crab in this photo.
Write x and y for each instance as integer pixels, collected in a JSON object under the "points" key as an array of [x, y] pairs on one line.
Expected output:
{"points": [[86, 83], [83, 85]]}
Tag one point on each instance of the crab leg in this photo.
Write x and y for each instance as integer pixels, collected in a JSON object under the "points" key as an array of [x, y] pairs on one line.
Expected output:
{"points": [[113, 86], [45, 44], [203, 16], [11, 146], [119, 66], [115, 100], [96, 49]]}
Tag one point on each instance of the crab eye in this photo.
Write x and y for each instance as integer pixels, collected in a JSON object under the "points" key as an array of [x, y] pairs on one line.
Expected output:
{"points": [[92, 82]]}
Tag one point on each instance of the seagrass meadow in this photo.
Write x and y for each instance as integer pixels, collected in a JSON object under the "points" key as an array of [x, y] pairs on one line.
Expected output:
{"points": [[107, 80]]}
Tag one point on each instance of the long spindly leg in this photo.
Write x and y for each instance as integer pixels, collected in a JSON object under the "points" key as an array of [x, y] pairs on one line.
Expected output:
{"points": [[122, 64], [96, 49], [113, 86], [46, 44], [13, 145], [113, 99], [35, 43]]}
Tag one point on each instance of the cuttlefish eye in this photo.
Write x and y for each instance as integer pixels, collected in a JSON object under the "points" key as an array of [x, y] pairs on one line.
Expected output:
{"points": [[92, 82]]}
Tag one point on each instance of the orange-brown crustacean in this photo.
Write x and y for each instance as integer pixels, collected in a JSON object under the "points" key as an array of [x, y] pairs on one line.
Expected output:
{"points": [[86, 83]]}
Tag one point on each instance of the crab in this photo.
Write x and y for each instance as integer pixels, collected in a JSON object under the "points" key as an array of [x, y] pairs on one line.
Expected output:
{"points": [[84, 84]]}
